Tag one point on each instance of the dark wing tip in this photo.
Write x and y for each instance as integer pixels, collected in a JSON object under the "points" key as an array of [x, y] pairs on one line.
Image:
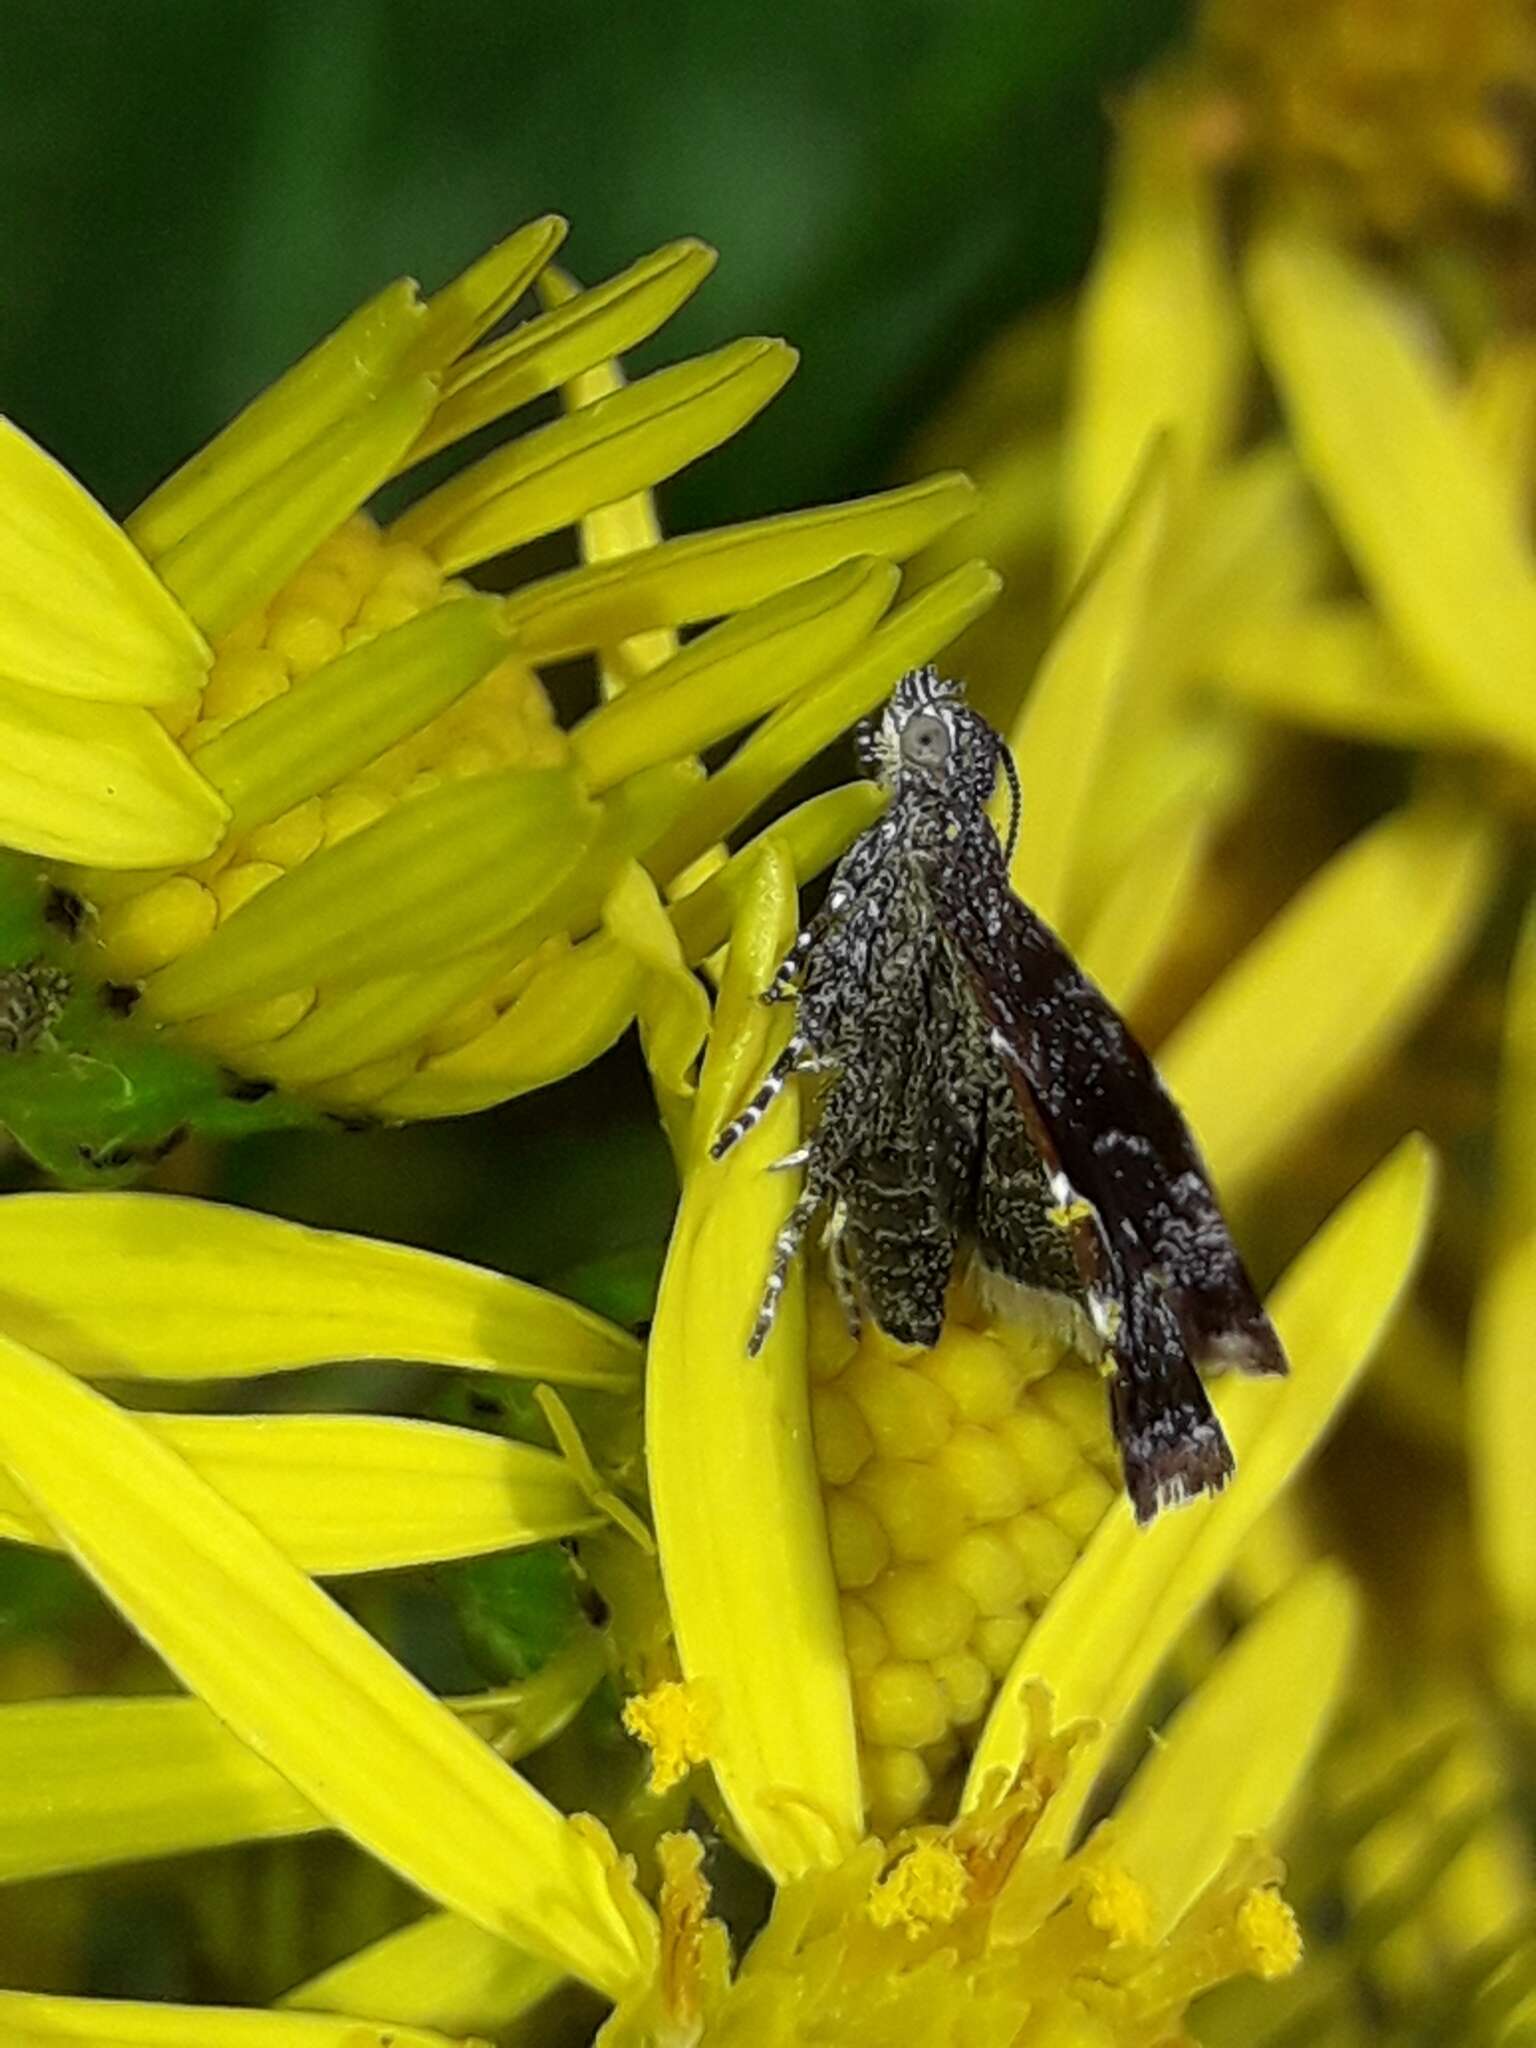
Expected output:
{"points": [[1168, 1470]]}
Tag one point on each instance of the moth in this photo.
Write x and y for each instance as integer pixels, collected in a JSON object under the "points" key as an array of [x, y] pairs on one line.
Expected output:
{"points": [[981, 1098]]}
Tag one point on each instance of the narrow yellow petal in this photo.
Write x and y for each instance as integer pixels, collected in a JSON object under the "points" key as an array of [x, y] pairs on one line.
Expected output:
{"points": [[729, 676], [1129, 1597], [1159, 344], [551, 475], [1423, 517], [1335, 666], [444, 872], [541, 354], [89, 1782], [374, 1018], [1319, 997], [477, 298], [799, 729], [1235, 1756], [289, 1673], [81, 611], [339, 377], [362, 1493], [672, 1006], [352, 709], [35, 2019], [737, 1502], [571, 1011], [1060, 738], [127, 1286], [233, 560], [1142, 913], [440, 1971], [102, 785], [1500, 1414], [1498, 410], [810, 836], [710, 574]]}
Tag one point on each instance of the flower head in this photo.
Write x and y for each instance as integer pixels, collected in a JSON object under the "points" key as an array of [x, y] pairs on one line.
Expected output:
{"points": [[321, 824]]}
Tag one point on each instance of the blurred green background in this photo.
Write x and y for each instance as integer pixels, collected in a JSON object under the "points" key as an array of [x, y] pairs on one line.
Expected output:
{"points": [[191, 193]]}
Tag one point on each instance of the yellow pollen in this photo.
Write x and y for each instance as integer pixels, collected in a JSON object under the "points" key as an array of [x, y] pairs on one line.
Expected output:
{"points": [[674, 1721], [1069, 1213], [1269, 1933], [1117, 1905], [928, 1887]]}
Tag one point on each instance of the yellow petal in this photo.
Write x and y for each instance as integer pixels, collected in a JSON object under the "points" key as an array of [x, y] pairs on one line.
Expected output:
{"points": [[351, 710], [1422, 515], [729, 676], [34, 2019], [799, 729], [1235, 1756], [160, 1287], [543, 353], [673, 1008], [290, 1673], [1132, 1592], [478, 297], [99, 784], [232, 561], [1336, 667], [710, 574], [1321, 995], [440, 1971], [81, 611], [441, 873], [340, 377], [1142, 914], [90, 1782], [810, 836], [1059, 741], [1500, 1414], [570, 1012], [362, 1493], [372, 1019], [734, 1488], [629, 441], [1159, 343], [1498, 409]]}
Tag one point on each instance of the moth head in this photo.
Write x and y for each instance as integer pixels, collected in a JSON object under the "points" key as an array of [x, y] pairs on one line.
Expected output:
{"points": [[929, 743]]}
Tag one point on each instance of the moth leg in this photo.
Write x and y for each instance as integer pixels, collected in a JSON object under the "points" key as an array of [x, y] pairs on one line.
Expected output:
{"points": [[796, 1057], [785, 985], [785, 1245]]}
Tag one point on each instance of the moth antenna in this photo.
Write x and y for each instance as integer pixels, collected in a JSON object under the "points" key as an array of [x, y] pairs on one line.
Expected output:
{"points": [[1015, 804]]}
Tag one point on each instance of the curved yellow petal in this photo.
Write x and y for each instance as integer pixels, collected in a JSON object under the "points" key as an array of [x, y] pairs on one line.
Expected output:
{"points": [[707, 575], [1142, 912], [36, 2019], [305, 1686], [1059, 739], [81, 611], [90, 1782], [1420, 509], [439, 1971], [1160, 341], [163, 1287], [362, 1493], [229, 564], [1234, 1757], [673, 1008], [101, 785], [1132, 1592], [629, 441], [734, 1489], [731, 675], [447, 871], [553, 347], [1328, 988], [1335, 666]]}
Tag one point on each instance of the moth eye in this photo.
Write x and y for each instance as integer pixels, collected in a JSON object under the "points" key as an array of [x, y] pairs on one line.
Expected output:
{"points": [[925, 741]]}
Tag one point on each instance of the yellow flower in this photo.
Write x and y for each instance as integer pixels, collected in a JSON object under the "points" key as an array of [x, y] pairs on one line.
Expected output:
{"points": [[306, 807]]}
